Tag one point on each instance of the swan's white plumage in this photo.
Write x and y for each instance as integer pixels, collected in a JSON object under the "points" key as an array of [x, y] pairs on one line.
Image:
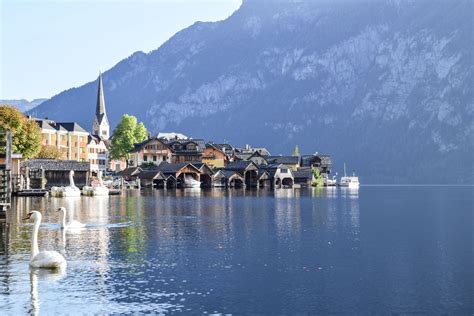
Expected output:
{"points": [[43, 259], [70, 191], [70, 224], [48, 259]]}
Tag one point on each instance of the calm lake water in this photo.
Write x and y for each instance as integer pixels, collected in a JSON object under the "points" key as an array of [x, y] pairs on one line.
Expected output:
{"points": [[377, 250]]}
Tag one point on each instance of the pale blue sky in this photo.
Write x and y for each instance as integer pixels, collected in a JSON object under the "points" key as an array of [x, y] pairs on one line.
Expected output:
{"points": [[49, 46]]}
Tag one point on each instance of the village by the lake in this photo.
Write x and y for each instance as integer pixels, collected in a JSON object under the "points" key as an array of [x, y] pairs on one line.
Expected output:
{"points": [[236, 157], [82, 162]]}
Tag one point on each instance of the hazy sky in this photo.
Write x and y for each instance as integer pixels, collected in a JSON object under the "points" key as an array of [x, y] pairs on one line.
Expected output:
{"points": [[49, 46]]}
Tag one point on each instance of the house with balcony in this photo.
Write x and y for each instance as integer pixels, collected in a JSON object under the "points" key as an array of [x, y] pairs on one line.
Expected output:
{"points": [[185, 151], [152, 150]]}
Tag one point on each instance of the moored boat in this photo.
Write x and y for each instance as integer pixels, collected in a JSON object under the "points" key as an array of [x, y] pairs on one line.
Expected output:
{"points": [[351, 182]]}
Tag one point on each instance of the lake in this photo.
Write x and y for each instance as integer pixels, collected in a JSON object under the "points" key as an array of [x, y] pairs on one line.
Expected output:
{"points": [[376, 250]]}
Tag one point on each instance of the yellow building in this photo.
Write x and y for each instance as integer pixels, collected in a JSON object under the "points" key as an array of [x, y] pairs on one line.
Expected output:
{"points": [[69, 137]]}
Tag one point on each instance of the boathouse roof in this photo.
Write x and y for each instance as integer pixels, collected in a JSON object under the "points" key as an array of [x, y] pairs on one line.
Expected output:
{"points": [[287, 160], [56, 165]]}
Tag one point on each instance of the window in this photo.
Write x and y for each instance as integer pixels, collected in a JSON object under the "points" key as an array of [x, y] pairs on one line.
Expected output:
{"points": [[283, 170], [154, 158], [145, 158]]}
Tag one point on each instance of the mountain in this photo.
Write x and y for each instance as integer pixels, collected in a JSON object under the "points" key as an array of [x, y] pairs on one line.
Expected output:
{"points": [[384, 85], [22, 104]]}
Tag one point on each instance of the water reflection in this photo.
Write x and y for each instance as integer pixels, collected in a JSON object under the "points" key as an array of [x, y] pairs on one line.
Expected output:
{"points": [[45, 276], [236, 251]]}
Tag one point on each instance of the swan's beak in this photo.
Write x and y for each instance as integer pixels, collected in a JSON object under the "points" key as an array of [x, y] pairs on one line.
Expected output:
{"points": [[58, 210], [28, 216]]}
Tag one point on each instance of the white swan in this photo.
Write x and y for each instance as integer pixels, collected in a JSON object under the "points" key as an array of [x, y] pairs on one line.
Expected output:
{"points": [[70, 190], [42, 259], [71, 224]]}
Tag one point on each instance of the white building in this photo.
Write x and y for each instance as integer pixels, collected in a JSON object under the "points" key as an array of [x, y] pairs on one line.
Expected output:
{"points": [[97, 154]]}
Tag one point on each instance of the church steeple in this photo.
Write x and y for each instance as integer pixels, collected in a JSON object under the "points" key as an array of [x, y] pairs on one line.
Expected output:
{"points": [[100, 126], [100, 108]]}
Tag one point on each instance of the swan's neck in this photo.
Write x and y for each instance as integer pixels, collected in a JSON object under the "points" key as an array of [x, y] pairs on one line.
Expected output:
{"points": [[71, 180], [34, 238], [101, 183], [63, 219]]}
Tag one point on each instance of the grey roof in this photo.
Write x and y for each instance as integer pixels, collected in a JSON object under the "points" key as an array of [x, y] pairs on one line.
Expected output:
{"points": [[150, 174], [200, 145], [43, 124], [72, 127], [56, 165], [166, 167], [290, 160], [303, 173], [229, 173], [243, 156], [130, 171], [239, 165], [320, 159], [228, 148], [100, 106]]}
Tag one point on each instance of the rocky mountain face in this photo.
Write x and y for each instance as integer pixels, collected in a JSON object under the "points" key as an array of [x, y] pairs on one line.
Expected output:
{"points": [[22, 104], [384, 85]]}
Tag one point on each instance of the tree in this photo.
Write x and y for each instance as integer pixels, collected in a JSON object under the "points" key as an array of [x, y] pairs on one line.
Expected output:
{"points": [[318, 180], [296, 151], [49, 152], [125, 136], [26, 134]]}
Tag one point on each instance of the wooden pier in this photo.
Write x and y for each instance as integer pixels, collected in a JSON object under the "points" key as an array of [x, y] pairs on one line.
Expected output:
{"points": [[5, 171]]}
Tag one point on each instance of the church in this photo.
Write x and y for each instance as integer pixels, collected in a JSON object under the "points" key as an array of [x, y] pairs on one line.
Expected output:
{"points": [[98, 140]]}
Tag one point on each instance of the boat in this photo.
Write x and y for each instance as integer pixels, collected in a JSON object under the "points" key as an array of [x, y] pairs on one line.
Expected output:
{"points": [[69, 191], [351, 182], [190, 182]]}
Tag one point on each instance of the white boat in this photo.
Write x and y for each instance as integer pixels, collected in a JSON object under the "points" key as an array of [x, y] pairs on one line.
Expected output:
{"points": [[349, 182], [190, 182]]}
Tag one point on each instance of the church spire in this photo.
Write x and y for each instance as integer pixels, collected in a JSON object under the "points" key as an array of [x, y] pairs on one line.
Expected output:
{"points": [[100, 108], [100, 127]]}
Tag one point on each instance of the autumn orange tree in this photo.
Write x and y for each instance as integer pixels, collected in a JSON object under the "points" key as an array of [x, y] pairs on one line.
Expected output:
{"points": [[26, 134], [49, 152]]}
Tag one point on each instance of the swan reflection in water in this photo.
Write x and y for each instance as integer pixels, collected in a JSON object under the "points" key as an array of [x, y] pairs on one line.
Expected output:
{"points": [[45, 276]]}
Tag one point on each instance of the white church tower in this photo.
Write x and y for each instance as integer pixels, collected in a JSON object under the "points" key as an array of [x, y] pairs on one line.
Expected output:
{"points": [[101, 127]]}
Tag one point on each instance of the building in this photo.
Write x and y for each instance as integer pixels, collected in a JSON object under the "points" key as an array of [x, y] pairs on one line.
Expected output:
{"points": [[100, 126], [151, 150], [97, 154], [214, 156], [248, 170], [183, 151], [68, 137], [46, 173], [320, 161], [292, 162]]}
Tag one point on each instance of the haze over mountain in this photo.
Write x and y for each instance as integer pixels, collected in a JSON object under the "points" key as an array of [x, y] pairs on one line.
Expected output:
{"points": [[22, 104], [384, 85]]}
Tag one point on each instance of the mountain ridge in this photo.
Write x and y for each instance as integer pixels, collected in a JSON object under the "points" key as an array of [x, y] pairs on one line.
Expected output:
{"points": [[374, 83]]}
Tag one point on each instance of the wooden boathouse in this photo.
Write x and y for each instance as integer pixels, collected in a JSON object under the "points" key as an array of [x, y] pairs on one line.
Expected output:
{"points": [[46, 173]]}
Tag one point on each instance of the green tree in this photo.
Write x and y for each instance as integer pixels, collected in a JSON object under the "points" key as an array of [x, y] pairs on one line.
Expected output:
{"points": [[49, 152], [26, 134], [318, 180], [296, 151], [125, 135], [141, 132]]}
